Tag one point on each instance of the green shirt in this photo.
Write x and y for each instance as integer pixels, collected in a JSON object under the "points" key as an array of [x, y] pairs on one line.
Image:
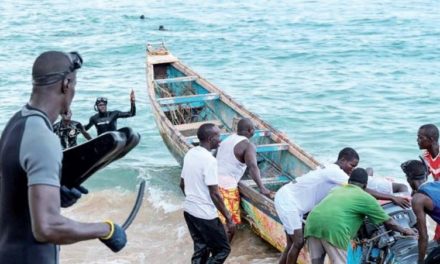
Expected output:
{"points": [[338, 217]]}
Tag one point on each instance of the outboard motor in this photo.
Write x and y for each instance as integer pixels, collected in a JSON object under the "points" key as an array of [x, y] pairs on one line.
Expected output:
{"points": [[377, 245]]}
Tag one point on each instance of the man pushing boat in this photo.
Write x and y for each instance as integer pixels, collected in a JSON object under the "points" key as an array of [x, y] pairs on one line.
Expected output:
{"points": [[234, 155], [295, 199]]}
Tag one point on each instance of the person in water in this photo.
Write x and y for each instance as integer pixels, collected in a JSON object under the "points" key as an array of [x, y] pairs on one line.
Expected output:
{"points": [[106, 120], [31, 224], [68, 130], [234, 155], [199, 183], [343, 211], [425, 201]]}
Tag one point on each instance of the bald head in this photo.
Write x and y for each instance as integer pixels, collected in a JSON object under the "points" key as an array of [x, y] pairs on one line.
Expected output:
{"points": [[53, 66], [245, 127]]}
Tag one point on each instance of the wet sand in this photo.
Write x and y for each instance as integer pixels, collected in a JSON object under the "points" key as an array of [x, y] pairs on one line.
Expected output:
{"points": [[157, 235]]}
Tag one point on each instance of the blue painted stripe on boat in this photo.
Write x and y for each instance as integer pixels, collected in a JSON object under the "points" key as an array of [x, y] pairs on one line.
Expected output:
{"points": [[272, 147], [178, 79], [188, 99], [257, 133]]}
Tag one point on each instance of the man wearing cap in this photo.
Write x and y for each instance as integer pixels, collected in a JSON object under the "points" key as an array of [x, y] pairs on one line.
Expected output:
{"points": [[343, 212], [31, 224], [426, 200], [106, 120]]}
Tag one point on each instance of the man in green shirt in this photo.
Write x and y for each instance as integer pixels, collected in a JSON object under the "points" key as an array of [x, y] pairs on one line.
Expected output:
{"points": [[338, 217]]}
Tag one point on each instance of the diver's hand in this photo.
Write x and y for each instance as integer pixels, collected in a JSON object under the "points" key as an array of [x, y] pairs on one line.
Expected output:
{"points": [[401, 201], [70, 196], [132, 96], [116, 239]]}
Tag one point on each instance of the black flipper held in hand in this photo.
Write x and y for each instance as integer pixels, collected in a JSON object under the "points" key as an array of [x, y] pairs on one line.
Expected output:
{"points": [[116, 239], [70, 196]]}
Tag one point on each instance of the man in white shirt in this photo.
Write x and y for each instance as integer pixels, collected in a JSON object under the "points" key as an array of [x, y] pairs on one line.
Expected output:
{"points": [[234, 155], [199, 183], [295, 199]]}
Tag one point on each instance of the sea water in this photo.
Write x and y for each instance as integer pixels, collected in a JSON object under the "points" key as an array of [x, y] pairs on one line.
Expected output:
{"points": [[329, 74]]}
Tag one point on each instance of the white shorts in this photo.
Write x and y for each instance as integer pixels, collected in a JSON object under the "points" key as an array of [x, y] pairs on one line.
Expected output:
{"points": [[287, 211]]}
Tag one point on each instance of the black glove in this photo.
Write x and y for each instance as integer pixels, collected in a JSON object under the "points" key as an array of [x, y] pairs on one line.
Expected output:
{"points": [[117, 238], [70, 196]]}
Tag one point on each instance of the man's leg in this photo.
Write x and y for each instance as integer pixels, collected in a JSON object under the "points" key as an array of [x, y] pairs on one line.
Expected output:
{"points": [[289, 244], [217, 241], [336, 255], [201, 251], [316, 250], [297, 244]]}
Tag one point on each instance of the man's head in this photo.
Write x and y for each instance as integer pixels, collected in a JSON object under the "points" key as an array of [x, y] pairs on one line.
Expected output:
{"points": [[245, 127], [416, 173], [67, 116], [209, 135], [54, 78], [359, 177], [101, 104], [348, 159], [427, 136]]}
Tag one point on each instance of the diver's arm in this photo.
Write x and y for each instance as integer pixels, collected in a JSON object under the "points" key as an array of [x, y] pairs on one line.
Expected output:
{"points": [[132, 111], [90, 124], [49, 226], [418, 206]]}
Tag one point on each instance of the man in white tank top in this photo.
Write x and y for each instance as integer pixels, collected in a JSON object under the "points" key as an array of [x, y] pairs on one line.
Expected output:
{"points": [[234, 155]]}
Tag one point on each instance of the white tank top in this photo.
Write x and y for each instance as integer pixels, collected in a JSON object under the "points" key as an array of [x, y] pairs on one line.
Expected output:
{"points": [[230, 170]]}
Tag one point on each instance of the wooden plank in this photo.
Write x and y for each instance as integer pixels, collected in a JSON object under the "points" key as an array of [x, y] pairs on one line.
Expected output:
{"points": [[258, 133], [188, 99], [196, 125], [272, 147], [177, 79]]}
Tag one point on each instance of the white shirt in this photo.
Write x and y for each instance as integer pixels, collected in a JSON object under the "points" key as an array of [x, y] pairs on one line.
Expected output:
{"points": [[199, 170], [230, 170], [379, 184], [312, 187]]}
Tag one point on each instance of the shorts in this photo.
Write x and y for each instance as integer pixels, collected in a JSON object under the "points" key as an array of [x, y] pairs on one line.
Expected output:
{"points": [[231, 198], [318, 248], [288, 212]]}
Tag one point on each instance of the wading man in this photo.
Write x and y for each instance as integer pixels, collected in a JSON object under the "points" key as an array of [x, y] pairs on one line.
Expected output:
{"points": [[68, 130], [199, 183]]}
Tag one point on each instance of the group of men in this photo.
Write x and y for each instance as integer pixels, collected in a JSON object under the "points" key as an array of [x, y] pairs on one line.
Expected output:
{"points": [[339, 194], [68, 129]]}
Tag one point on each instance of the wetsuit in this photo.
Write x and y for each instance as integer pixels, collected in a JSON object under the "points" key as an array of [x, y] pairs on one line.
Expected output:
{"points": [[68, 132], [432, 190], [107, 121], [30, 154]]}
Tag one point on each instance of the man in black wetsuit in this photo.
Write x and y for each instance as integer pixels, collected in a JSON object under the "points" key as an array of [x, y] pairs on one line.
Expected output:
{"points": [[31, 223], [68, 129], [106, 120]]}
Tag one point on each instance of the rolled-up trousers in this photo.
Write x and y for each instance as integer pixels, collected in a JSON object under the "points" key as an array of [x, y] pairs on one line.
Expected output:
{"points": [[211, 244]]}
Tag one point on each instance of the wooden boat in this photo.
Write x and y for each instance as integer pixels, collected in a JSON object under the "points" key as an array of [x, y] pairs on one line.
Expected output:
{"points": [[182, 101]]}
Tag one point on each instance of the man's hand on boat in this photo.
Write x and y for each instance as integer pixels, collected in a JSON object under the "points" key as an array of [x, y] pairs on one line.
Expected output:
{"points": [[267, 192], [401, 201]]}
